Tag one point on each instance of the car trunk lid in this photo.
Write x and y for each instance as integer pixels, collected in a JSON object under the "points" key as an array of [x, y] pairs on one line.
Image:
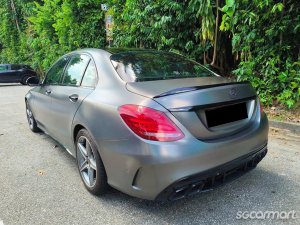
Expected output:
{"points": [[208, 108]]}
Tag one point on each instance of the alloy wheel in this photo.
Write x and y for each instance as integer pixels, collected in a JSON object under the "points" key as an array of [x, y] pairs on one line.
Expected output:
{"points": [[86, 161], [29, 117]]}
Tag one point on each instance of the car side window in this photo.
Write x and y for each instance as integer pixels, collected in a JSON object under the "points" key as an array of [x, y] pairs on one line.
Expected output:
{"points": [[90, 76], [27, 67], [3, 68], [75, 70], [56, 71], [15, 67]]}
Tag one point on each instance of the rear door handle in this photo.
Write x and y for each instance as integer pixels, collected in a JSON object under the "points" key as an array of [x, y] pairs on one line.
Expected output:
{"points": [[73, 98], [48, 92]]}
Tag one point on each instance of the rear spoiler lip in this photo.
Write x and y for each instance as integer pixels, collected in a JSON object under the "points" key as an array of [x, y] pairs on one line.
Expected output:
{"points": [[213, 105], [194, 88]]}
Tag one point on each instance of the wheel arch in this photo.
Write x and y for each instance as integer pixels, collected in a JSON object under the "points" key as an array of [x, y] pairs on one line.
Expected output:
{"points": [[79, 127], [76, 129], [28, 96]]}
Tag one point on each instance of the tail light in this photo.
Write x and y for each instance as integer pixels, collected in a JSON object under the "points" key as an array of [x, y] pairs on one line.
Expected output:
{"points": [[149, 123]]}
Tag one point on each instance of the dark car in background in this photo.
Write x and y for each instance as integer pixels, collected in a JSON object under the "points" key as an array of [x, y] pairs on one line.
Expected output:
{"points": [[15, 73]]}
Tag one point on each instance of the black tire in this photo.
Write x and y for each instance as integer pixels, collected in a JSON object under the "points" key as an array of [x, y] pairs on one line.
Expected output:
{"points": [[24, 79], [31, 121], [99, 185]]}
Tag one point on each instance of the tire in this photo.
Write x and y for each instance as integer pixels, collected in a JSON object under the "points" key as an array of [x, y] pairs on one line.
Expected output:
{"points": [[31, 121], [89, 163], [24, 79]]}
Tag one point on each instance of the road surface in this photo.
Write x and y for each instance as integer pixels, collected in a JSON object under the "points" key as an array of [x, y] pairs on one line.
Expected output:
{"points": [[39, 183]]}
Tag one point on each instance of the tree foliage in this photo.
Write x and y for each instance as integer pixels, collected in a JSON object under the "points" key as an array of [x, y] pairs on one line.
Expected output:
{"points": [[49, 28], [266, 41], [255, 40]]}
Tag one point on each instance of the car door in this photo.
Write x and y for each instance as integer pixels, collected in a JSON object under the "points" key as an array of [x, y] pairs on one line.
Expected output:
{"points": [[16, 73], [67, 97], [3, 73], [7, 75], [42, 95]]}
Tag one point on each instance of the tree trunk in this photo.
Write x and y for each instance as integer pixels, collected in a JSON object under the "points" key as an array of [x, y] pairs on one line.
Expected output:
{"points": [[12, 4], [216, 36], [204, 58]]}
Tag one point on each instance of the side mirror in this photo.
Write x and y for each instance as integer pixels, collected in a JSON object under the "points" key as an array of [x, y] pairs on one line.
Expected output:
{"points": [[33, 81]]}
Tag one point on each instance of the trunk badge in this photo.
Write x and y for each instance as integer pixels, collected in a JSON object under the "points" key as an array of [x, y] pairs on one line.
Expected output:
{"points": [[233, 92]]}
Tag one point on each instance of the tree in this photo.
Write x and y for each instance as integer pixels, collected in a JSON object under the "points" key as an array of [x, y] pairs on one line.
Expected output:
{"points": [[255, 40]]}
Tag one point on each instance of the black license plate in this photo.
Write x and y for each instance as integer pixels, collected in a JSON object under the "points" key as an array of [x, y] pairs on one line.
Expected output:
{"points": [[226, 114]]}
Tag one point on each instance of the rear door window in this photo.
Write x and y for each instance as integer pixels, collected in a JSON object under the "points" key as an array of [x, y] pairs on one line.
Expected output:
{"points": [[16, 67], [90, 76], [75, 70], [54, 74], [27, 67]]}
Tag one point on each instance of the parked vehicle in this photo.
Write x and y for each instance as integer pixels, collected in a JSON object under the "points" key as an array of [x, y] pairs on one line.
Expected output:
{"points": [[152, 124], [14, 73]]}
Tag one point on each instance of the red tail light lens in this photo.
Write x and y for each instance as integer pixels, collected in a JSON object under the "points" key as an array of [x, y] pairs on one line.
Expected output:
{"points": [[149, 123]]}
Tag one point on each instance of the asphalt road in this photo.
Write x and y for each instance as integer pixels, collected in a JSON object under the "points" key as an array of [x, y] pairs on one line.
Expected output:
{"points": [[39, 183]]}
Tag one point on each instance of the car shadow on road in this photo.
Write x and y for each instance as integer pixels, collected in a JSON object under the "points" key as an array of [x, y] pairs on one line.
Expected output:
{"points": [[60, 149], [258, 187]]}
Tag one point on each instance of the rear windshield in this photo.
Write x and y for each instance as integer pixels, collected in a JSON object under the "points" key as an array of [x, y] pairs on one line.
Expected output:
{"points": [[138, 66]]}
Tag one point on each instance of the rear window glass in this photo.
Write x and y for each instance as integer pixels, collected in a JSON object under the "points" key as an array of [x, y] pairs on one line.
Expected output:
{"points": [[137, 66]]}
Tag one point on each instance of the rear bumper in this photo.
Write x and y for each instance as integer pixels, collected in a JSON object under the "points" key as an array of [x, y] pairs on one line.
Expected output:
{"points": [[149, 170], [212, 178]]}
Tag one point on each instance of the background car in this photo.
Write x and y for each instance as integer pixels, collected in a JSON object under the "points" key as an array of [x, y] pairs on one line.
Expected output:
{"points": [[15, 73], [152, 124]]}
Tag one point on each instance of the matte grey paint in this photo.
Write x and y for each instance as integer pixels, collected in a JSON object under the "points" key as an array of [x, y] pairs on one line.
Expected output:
{"points": [[139, 167]]}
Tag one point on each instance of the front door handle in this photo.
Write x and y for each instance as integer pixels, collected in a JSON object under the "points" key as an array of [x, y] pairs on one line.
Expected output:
{"points": [[73, 98], [48, 92]]}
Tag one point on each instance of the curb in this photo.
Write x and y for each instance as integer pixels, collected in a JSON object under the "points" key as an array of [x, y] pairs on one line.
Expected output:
{"points": [[293, 127]]}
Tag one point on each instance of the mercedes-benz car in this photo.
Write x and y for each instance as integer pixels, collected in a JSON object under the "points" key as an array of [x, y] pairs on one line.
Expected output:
{"points": [[152, 124], [16, 73]]}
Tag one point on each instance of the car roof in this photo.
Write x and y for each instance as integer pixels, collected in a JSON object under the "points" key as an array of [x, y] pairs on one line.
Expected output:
{"points": [[121, 50], [13, 64], [112, 50]]}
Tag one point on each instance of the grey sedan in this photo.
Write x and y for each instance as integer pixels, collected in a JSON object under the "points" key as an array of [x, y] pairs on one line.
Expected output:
{"points": [[151, 124]]}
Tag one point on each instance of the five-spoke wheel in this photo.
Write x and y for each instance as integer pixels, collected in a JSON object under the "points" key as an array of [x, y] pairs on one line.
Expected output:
{"points": [[89, 163]]}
